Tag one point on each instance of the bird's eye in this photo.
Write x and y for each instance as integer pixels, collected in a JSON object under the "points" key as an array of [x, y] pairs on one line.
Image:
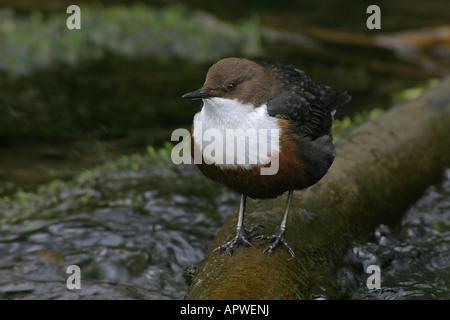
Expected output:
{"points": [[231, 86]]}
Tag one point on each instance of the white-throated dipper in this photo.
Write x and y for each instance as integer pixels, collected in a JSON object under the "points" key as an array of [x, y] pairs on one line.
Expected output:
{"points": [[240, 94]]}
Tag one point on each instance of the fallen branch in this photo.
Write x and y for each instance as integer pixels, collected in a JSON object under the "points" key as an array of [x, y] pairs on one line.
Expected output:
{"points": [[380, 168]]}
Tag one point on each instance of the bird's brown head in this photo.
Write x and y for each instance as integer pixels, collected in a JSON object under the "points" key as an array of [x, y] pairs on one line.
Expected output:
{"points": [[235, 78]]}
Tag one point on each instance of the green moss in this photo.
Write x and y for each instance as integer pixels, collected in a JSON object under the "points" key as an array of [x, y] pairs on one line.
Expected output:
{"points": [[341, 126], [344, 125], [88, 186]]}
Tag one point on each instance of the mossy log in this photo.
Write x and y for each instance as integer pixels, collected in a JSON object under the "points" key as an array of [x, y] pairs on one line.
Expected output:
{"points": [[380, 168]]}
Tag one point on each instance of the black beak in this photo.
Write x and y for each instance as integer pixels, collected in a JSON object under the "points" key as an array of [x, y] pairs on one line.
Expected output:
{"points": [[195, 95]]}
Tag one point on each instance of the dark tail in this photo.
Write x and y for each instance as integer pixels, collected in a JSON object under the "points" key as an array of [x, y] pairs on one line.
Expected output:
{"points": [[333, 98]]}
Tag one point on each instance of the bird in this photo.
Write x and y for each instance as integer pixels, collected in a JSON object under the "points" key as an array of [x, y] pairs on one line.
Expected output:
{"points": [[242, 94]]}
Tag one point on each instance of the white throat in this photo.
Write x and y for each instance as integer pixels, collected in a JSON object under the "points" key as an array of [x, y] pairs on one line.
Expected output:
{"points": [[256, 134]]}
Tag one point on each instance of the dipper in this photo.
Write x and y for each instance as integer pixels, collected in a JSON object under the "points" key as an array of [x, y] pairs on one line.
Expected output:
{"points": [[240, 94]]}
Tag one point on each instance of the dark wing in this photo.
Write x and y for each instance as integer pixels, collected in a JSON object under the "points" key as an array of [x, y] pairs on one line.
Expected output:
{"points": [[297, 98]]}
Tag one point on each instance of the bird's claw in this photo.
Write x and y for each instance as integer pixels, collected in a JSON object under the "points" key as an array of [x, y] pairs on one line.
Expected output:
{"points": [[277, 237], [242, 236]]}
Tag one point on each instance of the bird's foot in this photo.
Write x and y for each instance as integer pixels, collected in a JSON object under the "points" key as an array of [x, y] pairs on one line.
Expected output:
{"points": [[277, 237], [242, 236]]}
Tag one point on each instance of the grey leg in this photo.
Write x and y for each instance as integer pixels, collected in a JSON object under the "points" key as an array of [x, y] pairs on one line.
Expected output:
{"points": [[242, 235], [279, 232]]}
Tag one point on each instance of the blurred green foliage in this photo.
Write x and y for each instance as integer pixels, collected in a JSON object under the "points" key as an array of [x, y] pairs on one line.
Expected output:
{"points": [[413, 92], [36, 41]]}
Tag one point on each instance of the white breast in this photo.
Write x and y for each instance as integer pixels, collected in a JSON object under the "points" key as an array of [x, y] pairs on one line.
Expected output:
{"points": [[231, 134]]}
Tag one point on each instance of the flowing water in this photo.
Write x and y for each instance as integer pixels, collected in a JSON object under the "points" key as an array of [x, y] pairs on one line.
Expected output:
{"points": [[414, 256], [131, 231]]}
